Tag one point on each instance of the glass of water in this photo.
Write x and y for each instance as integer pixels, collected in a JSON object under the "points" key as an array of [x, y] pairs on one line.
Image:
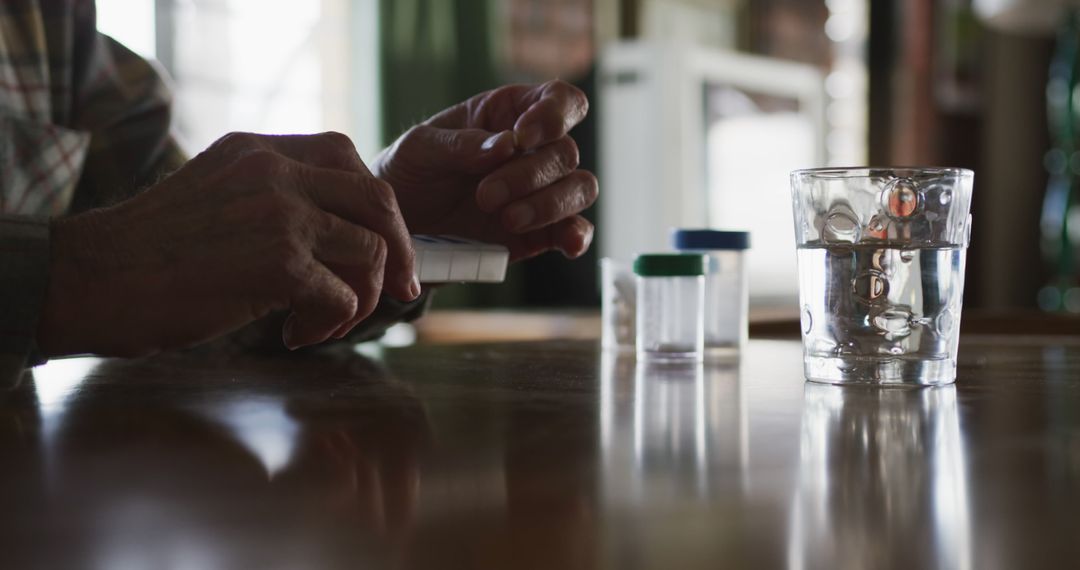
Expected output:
{"points": [[881, 272]]}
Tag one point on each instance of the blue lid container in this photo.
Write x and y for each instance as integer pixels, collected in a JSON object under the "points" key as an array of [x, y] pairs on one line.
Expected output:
{"points": [[710, 239]]}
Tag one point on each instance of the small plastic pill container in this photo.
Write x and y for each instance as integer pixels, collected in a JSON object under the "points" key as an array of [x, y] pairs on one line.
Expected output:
{"points": [[670, 302], [726, 303], [618, 302]]}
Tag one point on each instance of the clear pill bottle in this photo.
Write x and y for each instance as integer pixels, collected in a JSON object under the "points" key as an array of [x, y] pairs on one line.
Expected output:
{"points": [[726, 290], [618, 302], [670, 302]]}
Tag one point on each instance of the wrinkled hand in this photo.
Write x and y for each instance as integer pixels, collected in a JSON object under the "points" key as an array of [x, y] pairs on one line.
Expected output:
{"points": [[498, 168], [254, 224]]}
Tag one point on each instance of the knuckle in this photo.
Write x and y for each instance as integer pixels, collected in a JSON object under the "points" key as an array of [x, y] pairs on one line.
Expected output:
{"points": [[259, 162], [559, 85], [556, 84], [561, 160], [237, 141], [336, 144], [378, 250], [412, 142], [501, 91], [382, 194], [453, 145], [415, 137], [563, 87], [292, 262], [337, 140], [492, 98]]}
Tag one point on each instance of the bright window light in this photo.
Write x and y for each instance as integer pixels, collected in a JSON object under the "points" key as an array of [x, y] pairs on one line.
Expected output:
{"points": [[130, 22]]}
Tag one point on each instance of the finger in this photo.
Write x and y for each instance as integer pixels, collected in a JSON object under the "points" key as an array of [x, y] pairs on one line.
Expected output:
{"points": [[571, 236], [527, 174], [470, 151], [506, 108], [563, 199], [557, 108], [370, 203], [365, 300], [331, 150], [357, 256], [321, 303]]}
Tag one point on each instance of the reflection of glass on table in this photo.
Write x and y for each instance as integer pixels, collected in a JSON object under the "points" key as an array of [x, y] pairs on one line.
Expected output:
{"points": [[877, 465]]}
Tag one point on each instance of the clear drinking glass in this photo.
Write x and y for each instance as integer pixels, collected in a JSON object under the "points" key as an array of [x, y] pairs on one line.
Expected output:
{"points": [[881, 272]]}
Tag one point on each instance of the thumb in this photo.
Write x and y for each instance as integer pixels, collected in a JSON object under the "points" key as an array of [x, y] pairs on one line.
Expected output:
{"points": [[472, 151]]}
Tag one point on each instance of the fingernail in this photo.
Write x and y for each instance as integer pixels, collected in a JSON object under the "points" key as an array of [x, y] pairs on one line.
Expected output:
{"points": [[520, 216], [493, 141], [287, 333], [586, 241], [415, 287], [496, 194], [527, 138]]}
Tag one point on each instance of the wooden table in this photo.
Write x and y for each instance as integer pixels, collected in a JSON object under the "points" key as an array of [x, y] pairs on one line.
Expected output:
{"points": [[539, 455]]}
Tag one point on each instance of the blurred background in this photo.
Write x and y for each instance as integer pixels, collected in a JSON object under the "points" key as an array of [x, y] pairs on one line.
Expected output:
{"points": [[699, 110]]}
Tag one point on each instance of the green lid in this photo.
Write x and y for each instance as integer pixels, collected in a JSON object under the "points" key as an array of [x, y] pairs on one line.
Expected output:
{"points": [[669, 265]]}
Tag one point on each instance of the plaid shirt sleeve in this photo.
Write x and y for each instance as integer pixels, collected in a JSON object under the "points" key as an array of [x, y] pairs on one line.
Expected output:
{"points": [[123, 102], [84, 122]]}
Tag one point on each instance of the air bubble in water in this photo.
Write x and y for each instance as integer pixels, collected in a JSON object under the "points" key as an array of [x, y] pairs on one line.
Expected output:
{"points": [[901, 198], [945, 322], [893, 322], [871, 287], [841, 226]]}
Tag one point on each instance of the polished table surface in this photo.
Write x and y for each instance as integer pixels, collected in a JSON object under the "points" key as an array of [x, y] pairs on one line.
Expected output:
{"points": [[539, 455]]}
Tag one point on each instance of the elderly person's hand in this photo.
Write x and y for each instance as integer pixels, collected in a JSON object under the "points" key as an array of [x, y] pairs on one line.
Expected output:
{"points": [[253, 225], [498, 168]]}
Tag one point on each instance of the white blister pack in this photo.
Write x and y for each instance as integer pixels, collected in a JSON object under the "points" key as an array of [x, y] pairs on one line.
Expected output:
{"points": [[447, 259]]}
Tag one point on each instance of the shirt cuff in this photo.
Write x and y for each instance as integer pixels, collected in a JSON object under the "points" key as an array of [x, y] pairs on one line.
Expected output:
{"points": [[24, 275]]}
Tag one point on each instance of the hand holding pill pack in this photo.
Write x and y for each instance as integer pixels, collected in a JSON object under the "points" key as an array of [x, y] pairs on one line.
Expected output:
{"points": [[446, 259]]}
